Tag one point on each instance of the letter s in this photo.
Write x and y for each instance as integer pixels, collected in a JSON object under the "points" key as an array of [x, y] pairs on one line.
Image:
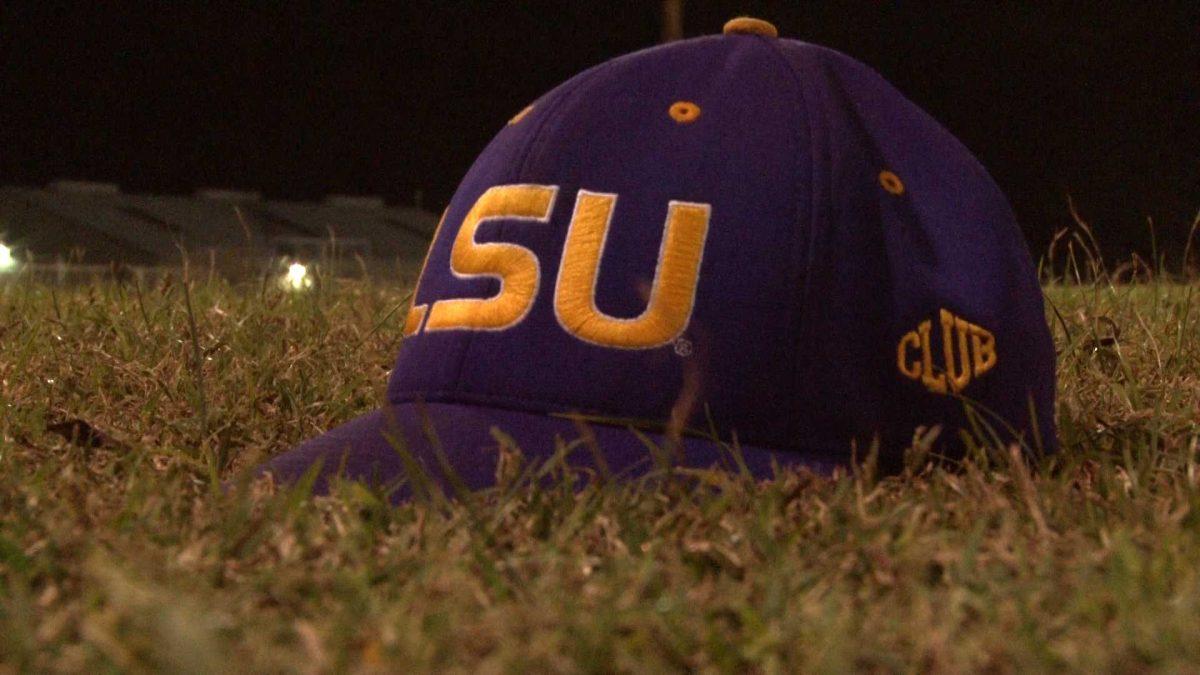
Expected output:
{"points": [[515, 266]]}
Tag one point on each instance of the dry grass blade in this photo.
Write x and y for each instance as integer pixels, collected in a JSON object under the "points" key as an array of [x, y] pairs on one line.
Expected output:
{"points": [[122, 557]]}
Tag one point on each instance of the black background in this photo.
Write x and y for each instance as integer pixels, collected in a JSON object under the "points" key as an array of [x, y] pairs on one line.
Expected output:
{"points": [[1099, 101]]}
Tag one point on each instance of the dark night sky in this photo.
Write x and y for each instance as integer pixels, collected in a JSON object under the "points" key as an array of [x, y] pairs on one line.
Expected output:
{"points": [[1098, 100]]}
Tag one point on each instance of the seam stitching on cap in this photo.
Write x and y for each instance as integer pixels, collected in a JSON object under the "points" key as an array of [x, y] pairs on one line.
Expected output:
{"points": [[802, 275], [553, 113], [511, 404], [550, 112]]}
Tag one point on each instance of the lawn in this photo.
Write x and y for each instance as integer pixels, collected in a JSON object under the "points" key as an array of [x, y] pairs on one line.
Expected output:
{"points": [[124, 406]]}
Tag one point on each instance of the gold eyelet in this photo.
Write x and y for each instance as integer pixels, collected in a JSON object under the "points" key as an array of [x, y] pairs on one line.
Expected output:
{"points": [[521, 115], [684, 112], [891, 182]]}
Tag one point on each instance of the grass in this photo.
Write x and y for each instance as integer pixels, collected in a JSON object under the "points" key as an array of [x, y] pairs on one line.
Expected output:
{"points": [[122, 411]]}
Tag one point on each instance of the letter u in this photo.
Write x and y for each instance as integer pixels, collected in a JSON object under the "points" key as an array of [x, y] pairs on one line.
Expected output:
{"points": [[672, 295]]}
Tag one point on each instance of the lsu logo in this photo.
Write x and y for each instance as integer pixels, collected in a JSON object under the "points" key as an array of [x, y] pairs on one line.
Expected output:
{"points": [[672, 294], [968, 351]]}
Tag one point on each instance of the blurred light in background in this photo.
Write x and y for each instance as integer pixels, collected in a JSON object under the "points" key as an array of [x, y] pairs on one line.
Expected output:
{"points": [[297, 277], [7, 261]]}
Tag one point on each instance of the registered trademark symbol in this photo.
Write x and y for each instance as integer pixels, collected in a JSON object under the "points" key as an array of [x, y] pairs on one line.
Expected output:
{"points": [[683, 347]]}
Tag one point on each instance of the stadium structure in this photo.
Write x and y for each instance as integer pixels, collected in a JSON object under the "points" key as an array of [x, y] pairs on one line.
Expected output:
{"points": [[86, 224]]}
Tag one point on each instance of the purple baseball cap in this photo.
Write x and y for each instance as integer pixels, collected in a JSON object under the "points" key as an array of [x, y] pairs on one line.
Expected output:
{"points": [[730, 242]]}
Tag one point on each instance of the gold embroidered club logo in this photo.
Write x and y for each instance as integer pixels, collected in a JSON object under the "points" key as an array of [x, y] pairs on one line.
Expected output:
{"points": [[967, 351]]}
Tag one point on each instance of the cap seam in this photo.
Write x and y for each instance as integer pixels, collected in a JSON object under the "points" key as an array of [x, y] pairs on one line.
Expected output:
{"points": [[537, 138], [458, 396], [519, 176], [514, 405], [804, 262]]}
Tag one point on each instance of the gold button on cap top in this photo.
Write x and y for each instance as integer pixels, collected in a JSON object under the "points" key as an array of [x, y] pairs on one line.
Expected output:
{"points": [[747, 25]]}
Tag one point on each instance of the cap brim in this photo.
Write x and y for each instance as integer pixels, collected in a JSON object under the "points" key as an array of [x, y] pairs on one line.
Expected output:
{"points": [[385, 447]]}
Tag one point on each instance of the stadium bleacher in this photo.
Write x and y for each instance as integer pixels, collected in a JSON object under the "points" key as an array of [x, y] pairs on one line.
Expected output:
{"points": [[98, 224]]}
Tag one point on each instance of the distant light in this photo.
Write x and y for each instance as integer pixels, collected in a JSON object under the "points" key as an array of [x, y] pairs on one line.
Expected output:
{"points": [[297, 277], [7, 261]]}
